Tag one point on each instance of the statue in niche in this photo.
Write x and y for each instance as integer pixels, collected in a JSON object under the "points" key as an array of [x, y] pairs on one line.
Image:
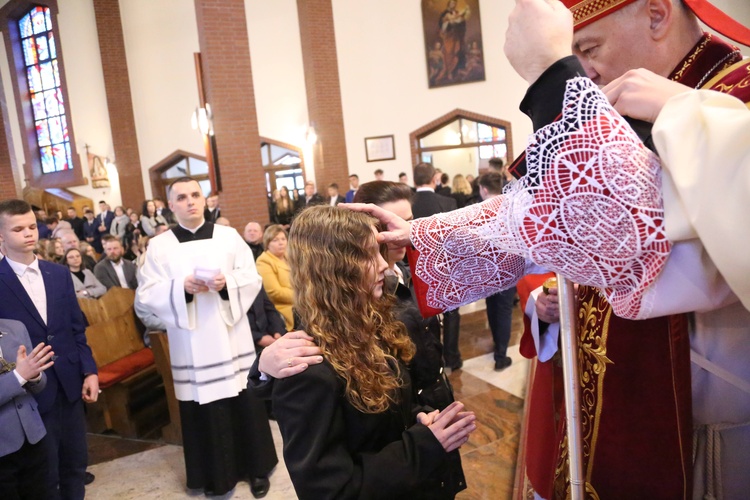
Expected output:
{"points": [[98, 172]]}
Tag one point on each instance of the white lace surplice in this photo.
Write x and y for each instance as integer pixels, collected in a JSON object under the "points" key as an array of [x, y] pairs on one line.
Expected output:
{"points": [[590, 208]]}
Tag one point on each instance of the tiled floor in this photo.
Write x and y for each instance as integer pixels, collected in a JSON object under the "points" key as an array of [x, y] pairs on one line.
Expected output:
{"points": [[133, 469]]}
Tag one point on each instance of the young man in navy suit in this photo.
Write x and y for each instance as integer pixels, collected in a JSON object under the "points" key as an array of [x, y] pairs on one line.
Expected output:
{"points": [[23, 459], [40, 295]]}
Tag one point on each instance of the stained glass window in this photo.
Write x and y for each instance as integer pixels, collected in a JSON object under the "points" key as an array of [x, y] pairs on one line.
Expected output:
{"points": [[40, 59]]}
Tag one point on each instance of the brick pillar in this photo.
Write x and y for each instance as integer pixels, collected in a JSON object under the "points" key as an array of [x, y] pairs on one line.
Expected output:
{"points": [[7, 184], [323, 92], [228, 84], [119, 101]]}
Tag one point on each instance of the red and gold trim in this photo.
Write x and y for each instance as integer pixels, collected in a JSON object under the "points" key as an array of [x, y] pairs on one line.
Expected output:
{"points": [[587, 11]]}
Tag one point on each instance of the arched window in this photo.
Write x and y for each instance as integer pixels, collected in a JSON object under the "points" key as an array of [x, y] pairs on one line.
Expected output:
{"points": [[41, 99], [179, 164], [47, 102], [462, 142], [283, 165]]}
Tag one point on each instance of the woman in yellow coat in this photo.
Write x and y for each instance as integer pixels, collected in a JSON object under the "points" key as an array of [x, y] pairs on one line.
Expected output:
{"points": [[274, 269]]}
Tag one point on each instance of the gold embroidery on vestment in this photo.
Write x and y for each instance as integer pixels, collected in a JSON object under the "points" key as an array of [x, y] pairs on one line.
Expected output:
{"points": [[691, 58], [592, 331]]}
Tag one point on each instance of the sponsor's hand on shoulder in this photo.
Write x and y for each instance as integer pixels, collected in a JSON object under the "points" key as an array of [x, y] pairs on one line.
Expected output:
{"points": [[289, 355]]}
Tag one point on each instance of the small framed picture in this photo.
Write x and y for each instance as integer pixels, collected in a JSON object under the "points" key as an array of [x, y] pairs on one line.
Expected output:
{"points": [[380, 148]]}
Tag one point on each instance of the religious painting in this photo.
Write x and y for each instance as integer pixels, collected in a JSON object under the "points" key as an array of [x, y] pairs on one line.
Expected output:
{"points": [[98, 171], [453, 42]]}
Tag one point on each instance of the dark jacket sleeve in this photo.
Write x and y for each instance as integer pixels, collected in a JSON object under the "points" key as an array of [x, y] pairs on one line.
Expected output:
{"points": [[78, 323], [261, 388], [309, 409], [543, 100], [276, 322]]}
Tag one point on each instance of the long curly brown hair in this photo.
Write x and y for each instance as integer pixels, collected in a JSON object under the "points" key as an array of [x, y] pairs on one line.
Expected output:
{"points": [[329, 253]]}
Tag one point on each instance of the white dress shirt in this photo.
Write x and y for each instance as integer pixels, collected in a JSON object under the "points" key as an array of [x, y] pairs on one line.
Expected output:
{"points": [[31, 278], [119, 270]]}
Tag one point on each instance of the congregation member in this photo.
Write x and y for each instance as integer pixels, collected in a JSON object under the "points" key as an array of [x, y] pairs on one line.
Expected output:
{"points": [[41, 218], [75, 222], [104, 220], [23, 459], [120, 223], [499, 306], [163, 210], [90, 233], [113, 269], [212, 211], [253, 235], [311, 197], [55, 250], [403, 178], [88, 251], [273, 267], [69, 239], [199, 279], [350, 426], [443, 187], [427, 202], [379, 174], [461, 191], [133, 229], [56, 225], [150, 219], [222, 221], [353, 185], [283, 209], [41, 296], [266, 323], [84, 281], [333, 195]]}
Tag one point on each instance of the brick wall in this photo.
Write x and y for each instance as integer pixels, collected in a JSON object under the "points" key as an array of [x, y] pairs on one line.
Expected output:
{"points": [[119, 102], [228, 83], [323, 92], [7, 184]]}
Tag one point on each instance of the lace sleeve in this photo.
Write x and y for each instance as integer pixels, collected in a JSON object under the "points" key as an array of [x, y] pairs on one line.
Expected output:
{"points": [[589, 208], [459, 261]]}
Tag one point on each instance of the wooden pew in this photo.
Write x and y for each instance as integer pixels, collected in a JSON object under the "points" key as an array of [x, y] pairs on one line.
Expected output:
{"points": [[132, 402], [172, 432]]}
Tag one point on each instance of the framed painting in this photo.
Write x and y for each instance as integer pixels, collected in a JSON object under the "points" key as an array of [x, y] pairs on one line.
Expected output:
{"points": [[380, 148], [453, 42]]}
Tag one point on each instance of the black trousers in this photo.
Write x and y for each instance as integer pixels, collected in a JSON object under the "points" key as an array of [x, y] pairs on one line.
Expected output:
{"points": [[451, 327], [499, 316], [23, 473], [66, 448]]}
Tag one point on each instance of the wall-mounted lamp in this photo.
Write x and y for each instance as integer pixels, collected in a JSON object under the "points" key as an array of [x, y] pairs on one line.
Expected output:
{"points": [[311, 136], [202, 120]]}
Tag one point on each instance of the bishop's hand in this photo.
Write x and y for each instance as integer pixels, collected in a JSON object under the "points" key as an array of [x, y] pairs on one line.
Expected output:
{"points": [[540, 32]]}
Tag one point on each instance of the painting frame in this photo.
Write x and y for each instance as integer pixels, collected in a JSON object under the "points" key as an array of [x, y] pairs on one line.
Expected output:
{"points": [[380, 148], [454, 52]]}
